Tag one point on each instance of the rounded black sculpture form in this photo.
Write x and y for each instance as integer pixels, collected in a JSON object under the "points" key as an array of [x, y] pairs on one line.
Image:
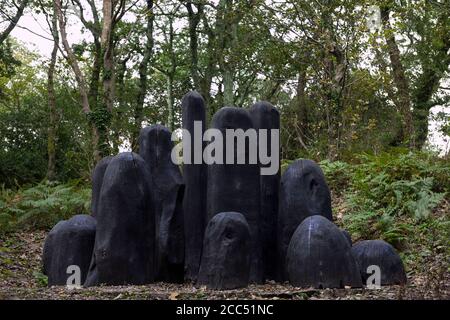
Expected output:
{"points": [[155, 147], [319, 256], [347, 236], [265, 116], [382, 254], [124, 241], [97, 181], [69, 243], [236, 187], [194, 202], [226, 252], [303, 193]]}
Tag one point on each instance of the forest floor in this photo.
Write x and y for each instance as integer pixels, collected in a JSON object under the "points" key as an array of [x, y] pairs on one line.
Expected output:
{"points": [[21, 278]]}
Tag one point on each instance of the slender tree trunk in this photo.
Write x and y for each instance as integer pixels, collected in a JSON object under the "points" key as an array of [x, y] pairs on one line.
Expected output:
{"points": [[400, 79], [71, 58], [143, 76], [108, 57], [336, 69], [336, 63], [13, 21], [117, 122], [95, 28], [228, 93], [170, 78], [422, 107], [230, 38], [428, 81], [211, 59], [53, 112], [170, 118], [228, 26], [194, 19], [95, 75], [302, 105], [103, 117], [104, 114]]}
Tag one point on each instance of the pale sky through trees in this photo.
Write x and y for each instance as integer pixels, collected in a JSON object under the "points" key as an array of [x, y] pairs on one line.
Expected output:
{"points": [[32, 31]]}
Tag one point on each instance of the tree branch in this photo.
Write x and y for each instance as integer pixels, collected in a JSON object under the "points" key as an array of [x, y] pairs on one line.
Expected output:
{"points": [[13, 21]]}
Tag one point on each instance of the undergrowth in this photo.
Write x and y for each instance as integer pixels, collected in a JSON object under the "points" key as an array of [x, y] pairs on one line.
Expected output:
{"points": [[391, 196], [43, 205]]}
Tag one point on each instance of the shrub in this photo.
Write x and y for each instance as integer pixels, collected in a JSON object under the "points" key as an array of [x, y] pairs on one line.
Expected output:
{"points": [[43, 205], [389, 194], [338, 174]]}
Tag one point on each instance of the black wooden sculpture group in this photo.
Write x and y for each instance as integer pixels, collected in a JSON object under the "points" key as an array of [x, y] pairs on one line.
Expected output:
{"points": [[219, 225]]}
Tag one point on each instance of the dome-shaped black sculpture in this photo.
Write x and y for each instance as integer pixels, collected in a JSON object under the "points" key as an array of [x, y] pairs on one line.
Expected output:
{"points": [[125, 237], [303, 192], [347, 236], [383, 255], [70, 242], [319, 256], [226, 252]]}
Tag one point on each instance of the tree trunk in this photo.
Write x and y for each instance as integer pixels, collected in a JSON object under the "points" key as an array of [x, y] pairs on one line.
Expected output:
{"points": [[170, 78], [336, 73], [71, 58], [400, 79], [228, 93], [95, 28], [95, 75], [102, 115], [194, 19], [143, 76], [13, 21], [422, 107], [117, 123], [302, 105], [170, 118], [108, 57], [211, 59], [53, 113], [230, 29], [428, 82]]}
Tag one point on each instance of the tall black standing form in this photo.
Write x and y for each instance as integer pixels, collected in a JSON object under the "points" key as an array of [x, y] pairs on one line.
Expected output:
{"points": [[97, 181], [125, 238], [303, 193], [194, 202], [155, 147], [236, 187], [265, 116]]}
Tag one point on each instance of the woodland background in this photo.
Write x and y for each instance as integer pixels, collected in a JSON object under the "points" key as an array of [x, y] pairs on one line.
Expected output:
{"points": [[355, 83]]}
